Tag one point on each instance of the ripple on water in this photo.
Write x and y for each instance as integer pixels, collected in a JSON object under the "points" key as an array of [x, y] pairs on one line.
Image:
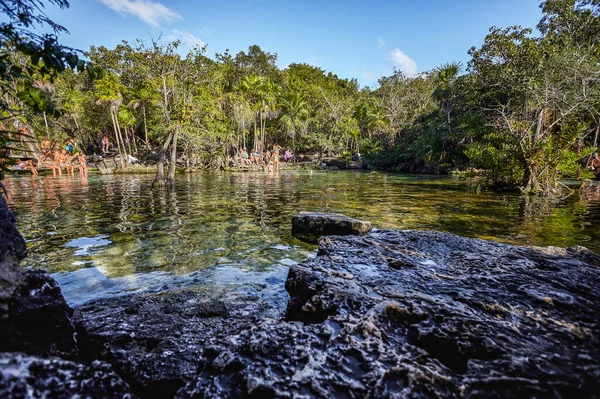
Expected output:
{"points": [[86, 244]]}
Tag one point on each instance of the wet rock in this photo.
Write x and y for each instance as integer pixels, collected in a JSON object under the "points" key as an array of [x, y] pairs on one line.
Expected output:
{"points": [[309, 226], [12, 250], [474, 317], [389, 314], [39, 320], [156, 342], [23, 376], [34, 317]]}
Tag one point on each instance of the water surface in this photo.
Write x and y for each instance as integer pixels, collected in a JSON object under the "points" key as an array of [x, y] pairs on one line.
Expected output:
{"points": [[111, 234]]}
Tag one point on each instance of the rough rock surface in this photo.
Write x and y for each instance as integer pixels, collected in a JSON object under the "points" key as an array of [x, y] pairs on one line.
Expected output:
{"points": [[12, 250], [471, 317], [309, 226], [39, 319], [391, 314], [35, 319], [23, 376]]}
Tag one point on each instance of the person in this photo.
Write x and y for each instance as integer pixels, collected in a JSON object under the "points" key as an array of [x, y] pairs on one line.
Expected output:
{"points": [[65, 162], [46, 145], [254, 157], [267, 157], [275, 157], [54, 163], [32, 166], [82, 164], [245, 159], [105, 143], [595, 165], [70, 145], [287, 155]]}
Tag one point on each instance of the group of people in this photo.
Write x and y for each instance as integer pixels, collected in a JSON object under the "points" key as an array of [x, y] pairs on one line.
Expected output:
{"points": [[57, 157], [267, 159]]}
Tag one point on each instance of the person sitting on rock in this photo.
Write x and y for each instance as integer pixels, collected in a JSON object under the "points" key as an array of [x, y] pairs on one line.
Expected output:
{"points": [[245, 158], [287, 155], [65, 162]]}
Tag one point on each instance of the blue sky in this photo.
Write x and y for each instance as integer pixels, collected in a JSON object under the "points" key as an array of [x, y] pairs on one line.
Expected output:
{"points": [[354, 39]]}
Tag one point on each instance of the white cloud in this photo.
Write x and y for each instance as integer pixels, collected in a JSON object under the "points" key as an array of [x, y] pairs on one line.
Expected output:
{"points": [[380, 42], [186, 38], [403, 62], [148, 11], [366, 75]]}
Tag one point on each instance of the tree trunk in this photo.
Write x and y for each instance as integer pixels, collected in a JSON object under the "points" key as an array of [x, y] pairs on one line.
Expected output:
{"points": [[146, 129], [159, 179], [112, 117], [539, 125], [531, 183], [47, 129], [173, 165], [121, 137]]}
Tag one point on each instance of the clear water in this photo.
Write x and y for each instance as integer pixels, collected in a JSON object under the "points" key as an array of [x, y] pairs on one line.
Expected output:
{"points": [[111, 234]]}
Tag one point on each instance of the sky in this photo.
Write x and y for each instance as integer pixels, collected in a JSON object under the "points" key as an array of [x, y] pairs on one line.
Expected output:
{"points": [[351, 38]]}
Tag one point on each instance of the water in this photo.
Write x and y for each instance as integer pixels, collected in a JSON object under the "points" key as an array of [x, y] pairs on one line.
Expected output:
{"points": [[112, 234]]}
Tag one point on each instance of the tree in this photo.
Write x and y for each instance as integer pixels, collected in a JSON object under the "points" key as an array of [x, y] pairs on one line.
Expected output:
{"points": [[46, 58]]}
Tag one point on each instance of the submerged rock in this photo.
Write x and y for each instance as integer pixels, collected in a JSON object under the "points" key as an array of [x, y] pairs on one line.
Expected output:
{"points": [[309, 226]]}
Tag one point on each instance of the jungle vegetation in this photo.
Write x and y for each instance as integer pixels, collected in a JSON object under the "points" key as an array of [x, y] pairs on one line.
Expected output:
{"points": [[523, 112]]}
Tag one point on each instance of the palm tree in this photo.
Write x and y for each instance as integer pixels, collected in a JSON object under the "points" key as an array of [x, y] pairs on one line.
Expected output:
{"points": [[251, 87], [295, 114], [109, 91], [445, 76]]}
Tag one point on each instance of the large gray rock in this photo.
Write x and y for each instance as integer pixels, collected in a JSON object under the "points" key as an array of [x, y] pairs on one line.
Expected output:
{"points": [[309, 226], [473, 318], [391, 314]]}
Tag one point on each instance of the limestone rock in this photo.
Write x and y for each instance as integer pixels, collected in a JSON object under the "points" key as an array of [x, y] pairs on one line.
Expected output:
{"points": [[12, 250], [476, 317], [23, 376], [309, 226], [39, 319]]}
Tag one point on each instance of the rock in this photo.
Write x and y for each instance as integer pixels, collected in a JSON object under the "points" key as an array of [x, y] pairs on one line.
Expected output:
{"points": [[389, 314], [39, 320], [12, 250], [473, 317], [309, 226], [24, 376], [156, 342], [34, 316]]}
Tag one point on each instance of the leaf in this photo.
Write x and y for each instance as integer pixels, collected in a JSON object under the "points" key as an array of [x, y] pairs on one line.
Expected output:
{"points": [[90, 68], [72, 60]]}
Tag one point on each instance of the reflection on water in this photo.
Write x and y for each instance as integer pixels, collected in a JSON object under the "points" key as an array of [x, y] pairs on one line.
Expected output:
{"points": [[120, 227]]}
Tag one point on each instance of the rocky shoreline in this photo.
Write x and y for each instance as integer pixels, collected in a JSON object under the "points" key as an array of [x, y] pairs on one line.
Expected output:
{"points": [[386, 314]]}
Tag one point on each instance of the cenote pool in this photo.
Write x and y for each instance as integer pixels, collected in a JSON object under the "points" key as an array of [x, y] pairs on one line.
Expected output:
{"points": [[112, 234]]}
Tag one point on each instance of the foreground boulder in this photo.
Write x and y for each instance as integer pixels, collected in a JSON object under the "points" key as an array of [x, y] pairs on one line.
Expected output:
{"points": [[390, 314], [309, 226], [473, 317]]}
